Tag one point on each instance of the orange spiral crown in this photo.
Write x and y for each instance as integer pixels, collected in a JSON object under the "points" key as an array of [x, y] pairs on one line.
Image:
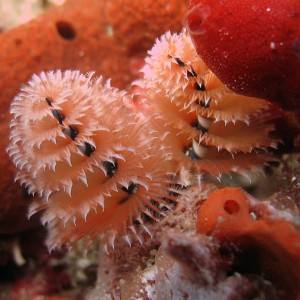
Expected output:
{"points": [[99, 169], [209, 127]]}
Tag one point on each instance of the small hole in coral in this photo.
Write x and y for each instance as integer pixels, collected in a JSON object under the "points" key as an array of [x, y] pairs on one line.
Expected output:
{"points": [[18, 42], [65, 30], [231, 207]]}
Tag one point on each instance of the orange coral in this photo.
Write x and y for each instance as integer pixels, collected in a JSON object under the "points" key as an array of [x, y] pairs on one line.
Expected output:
{"points": [[136, 24], [262, 243]]}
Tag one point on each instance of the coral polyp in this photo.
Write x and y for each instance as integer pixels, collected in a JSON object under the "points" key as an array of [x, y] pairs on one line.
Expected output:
{"points": [[98, 168]]}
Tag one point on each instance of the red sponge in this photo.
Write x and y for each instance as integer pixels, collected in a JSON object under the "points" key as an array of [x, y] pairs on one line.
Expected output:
{"points": [[252, 46]]}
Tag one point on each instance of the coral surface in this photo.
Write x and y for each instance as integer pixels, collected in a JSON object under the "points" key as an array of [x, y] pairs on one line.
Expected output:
{"points": [[265, 241]]}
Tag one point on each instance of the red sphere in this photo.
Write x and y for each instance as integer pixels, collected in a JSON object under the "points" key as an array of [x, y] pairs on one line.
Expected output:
{"points": [[252, 46]]}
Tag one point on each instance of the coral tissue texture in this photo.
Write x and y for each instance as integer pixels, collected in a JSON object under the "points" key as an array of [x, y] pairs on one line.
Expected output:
{"points": [[83, 35], [267, 243], [99, 170], [253, 46]]}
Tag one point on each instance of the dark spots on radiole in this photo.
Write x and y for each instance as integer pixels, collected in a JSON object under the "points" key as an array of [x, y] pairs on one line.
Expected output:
{"points": [[137, 223], [155, 212], [199, 126], [174, 187], [58, 116], [26, 193], [131, 189], [203, 104], [191, 154], [88, 149], [49, 101], [110, 168], [71, 131], [153, 216], [196, 151], [124, 200], [179, 62], [200, 86], [191, 73]]}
